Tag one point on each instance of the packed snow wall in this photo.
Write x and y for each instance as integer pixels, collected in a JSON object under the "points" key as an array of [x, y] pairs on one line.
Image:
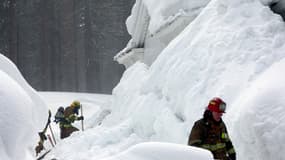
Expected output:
{"points": [[21, 115], [226, 51]]}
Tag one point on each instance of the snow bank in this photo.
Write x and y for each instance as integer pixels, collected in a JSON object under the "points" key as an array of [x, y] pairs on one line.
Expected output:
{"points": [[258, 113], [223, 52], [20, 116], [162, 12], [165, 151], [16, 123], [7, 66], [131, 82]]}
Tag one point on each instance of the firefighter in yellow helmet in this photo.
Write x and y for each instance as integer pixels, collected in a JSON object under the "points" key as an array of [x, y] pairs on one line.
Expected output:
{"points": [[210, 132], [70, 115]]}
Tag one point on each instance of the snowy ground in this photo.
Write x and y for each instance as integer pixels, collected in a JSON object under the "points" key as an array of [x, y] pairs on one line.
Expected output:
{"points": [[92, 105], [83, 145]]}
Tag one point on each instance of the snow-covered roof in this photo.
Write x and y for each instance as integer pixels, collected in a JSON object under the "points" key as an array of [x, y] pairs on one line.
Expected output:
{"points": [[164, 22]]}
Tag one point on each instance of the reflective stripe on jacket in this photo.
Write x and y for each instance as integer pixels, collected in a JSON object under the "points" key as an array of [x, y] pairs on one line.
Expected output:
{"points": [[69, 118], [212, 136]]}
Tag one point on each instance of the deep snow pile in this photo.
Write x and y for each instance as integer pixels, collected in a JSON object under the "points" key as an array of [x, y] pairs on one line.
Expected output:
{"points": [[165, 151], [230, 50], [163, 12], [20, 116]]}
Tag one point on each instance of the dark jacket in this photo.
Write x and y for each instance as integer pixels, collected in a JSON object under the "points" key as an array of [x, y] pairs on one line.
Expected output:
{"points": [[66, 127], [213, 136]]}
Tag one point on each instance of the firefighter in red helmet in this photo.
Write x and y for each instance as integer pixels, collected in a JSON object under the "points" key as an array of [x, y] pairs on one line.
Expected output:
{"points": [[210, 132]]}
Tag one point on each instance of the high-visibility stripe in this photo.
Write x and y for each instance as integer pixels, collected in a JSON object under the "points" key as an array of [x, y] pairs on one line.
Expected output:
{"points": [[214, 147], [67, 125], [71, 118], [225, 136]]}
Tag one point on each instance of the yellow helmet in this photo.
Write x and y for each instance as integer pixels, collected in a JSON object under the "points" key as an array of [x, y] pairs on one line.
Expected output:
{"points": [[75, 104]]}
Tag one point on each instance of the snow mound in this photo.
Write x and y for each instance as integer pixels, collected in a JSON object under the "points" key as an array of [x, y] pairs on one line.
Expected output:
{"points": [[21, 114], [16, 123], [7, 66], [223, 52], [165, 151], [258, 113]]}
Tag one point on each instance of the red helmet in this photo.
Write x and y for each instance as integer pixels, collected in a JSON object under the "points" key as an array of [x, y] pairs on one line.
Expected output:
{"points": [[217, 105]]}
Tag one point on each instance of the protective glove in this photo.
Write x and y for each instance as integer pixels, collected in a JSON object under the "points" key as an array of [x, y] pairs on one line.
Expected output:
{"points": [[232, 156], [80, 118]]}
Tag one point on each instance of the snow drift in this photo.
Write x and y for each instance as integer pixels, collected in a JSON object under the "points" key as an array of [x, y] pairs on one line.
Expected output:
{"points": [[226, 51], [21, 109], [165, 151]]}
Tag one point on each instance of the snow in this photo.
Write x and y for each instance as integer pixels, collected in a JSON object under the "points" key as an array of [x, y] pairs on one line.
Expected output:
{"points": [[226, 51], [21, 112], [162, 12], [10, 69], [264, 106], [9, 108], [233, 49], [165, 151]]}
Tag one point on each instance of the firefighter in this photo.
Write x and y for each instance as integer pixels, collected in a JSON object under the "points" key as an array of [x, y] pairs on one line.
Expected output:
{"points": [[70, 115], [210, 132]]}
